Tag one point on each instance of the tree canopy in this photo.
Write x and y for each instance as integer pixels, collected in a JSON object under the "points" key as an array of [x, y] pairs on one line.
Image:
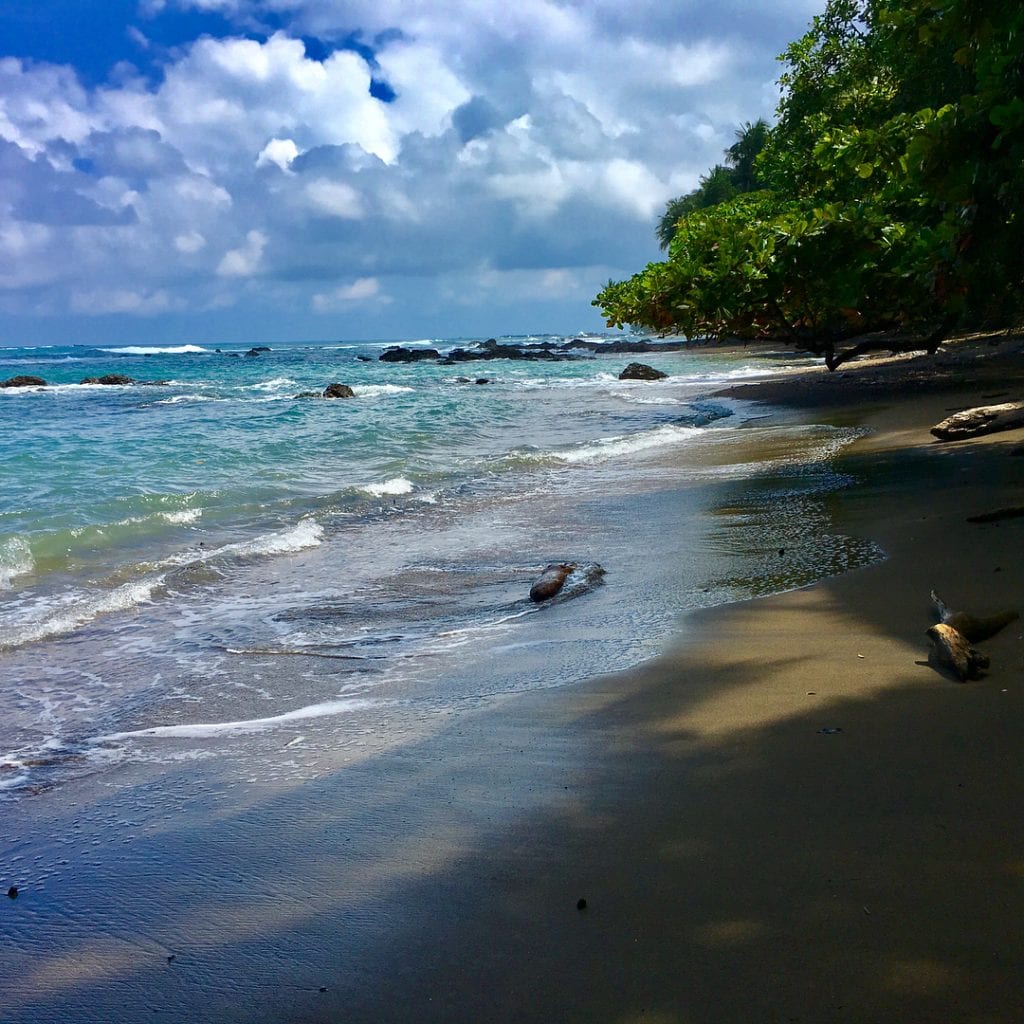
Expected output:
{"points": [[888, 197]]}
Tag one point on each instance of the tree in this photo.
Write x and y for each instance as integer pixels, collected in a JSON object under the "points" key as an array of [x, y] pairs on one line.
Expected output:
{"points": [[890, 191], [721, 183]]}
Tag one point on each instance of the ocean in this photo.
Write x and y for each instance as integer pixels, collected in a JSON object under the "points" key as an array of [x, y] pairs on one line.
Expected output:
{"points": [[202, 566]]}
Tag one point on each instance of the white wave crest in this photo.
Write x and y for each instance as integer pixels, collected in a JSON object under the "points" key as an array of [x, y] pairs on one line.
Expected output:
{"points": [[206, 730], [179, 399], [74, 611], [375, 390], [307, 533], [155, 350], [274, 384], [612, 447], [15, 560], [396, 485]]}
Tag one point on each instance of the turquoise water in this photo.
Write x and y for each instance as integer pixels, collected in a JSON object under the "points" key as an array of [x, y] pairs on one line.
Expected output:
{"points": [[211, 557]]}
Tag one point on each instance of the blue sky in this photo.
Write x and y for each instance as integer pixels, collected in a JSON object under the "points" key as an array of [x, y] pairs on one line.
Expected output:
{"points": [[222, 170]]}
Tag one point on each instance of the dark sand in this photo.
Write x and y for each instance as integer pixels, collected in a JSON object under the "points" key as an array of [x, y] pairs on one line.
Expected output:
{"points": [[791, 816]]}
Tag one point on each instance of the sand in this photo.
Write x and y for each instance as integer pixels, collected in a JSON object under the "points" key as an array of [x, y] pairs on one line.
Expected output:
{"points": [[790, 816]]}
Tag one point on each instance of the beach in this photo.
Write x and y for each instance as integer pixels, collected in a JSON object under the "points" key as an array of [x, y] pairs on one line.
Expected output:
{"points": [[788, 814]]}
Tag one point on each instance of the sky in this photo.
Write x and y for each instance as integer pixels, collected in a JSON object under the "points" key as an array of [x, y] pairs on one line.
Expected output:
{"points": [[177, 171]]}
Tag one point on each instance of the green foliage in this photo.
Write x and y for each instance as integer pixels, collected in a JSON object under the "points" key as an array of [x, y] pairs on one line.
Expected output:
{"points": [[721, 183], [888, 196]]}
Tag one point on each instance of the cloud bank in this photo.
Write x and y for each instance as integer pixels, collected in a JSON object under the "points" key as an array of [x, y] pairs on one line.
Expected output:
{"points": [[321, 168]]}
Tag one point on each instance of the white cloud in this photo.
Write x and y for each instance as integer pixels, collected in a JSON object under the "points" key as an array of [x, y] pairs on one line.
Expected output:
{"points": [[189, 242], [538, 140], [245, 260], [279, 152], [361, 290], [120, 300], [335, 198]]}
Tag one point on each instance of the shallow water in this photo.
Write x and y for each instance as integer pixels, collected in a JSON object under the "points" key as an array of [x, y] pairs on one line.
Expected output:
{"points": [[212, 567]]}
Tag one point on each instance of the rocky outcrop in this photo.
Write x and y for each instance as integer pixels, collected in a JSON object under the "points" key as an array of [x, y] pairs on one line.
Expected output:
{"points": [[109, 378], [338, 391], [565, 579], [23, 381], [985, 419], [641, 371], [257, 350], [401, 354]]}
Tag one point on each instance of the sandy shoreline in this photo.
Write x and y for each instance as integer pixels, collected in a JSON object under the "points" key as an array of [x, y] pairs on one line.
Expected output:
{"points": [[792, 817]]}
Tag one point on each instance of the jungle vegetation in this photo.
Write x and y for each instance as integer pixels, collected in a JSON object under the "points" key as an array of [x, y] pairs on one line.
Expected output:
{"points": [[882, 210]]}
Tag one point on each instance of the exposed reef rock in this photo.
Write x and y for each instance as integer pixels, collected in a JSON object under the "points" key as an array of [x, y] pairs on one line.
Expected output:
{"points": [[338, 391], [401, 354], [567, 579], [109, 378], [641, 371], [23, 381]]}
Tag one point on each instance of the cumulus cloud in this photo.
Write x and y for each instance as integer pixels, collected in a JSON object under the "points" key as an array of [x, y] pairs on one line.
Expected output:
{"points": [[245, 260], [361, 290], [416, 150]]}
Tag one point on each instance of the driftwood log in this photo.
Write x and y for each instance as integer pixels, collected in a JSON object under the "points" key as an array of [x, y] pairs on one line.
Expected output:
{"points": [[973, 628], [985, 419], [952, 650]]}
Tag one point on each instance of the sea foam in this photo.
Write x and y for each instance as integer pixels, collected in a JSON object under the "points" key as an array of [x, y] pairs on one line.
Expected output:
{"points": [[395, 486], [208, 730], [15, 560], [155, 350], [76, 609]]}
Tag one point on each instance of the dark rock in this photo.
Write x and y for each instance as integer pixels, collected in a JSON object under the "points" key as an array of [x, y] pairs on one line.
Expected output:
{"points": [[482, 380], [401, 354], [13, 892], [641, 371], [567, 579], [581, 904], [463, 380], [338, 391], [364, 359], [260, 348], [308, 394], [23, 381], [109, 378]]}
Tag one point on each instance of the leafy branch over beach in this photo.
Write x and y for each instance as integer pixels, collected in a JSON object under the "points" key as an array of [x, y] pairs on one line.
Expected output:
{"points": [[883, 209]]}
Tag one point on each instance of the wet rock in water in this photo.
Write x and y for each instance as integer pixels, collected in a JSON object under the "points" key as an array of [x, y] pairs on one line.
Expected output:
{"points": [[482, 380], [641, 371], [565, 578], [308, 394], [257, 350], [551, 580], [401, 354], [13, 892], [338, 391], [109, 378], [23, 381], [581, 904]]}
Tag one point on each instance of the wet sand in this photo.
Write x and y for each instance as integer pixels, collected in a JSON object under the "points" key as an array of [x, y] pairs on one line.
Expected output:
{"points": [[790, 816]]}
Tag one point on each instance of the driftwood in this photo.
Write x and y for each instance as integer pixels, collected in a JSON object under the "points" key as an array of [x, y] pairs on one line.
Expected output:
{"points": [[985, 419], [998, 516], [973, 628], [953, 651]]}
